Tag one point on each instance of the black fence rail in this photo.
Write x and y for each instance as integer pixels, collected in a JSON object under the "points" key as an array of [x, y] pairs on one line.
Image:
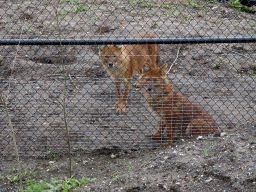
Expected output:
{"points": [[52, 76], [199, 40]]}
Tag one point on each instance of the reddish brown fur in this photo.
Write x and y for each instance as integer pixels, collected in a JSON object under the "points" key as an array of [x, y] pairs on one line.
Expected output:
{"points": [[180, 115], [122, 62]]}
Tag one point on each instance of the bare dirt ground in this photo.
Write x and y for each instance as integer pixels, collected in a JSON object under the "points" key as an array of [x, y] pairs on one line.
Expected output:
{"points": [[37, 80]]}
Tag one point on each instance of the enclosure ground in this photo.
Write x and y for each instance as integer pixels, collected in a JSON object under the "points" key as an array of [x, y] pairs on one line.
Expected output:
{"points": [[114, 148], [209, 163]]}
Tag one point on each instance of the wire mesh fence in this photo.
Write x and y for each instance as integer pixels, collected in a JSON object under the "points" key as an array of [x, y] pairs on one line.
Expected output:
{"points": [[49, 87]]}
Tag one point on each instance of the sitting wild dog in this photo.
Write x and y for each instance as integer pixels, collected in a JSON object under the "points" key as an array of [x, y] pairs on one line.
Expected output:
{"points": [[179, 115], [121, 62]]}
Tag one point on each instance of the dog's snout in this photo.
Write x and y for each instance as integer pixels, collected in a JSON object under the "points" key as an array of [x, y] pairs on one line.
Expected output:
{"points": [[111, 64]]}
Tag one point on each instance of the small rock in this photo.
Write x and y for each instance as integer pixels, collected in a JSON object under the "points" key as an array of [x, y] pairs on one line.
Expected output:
{"points": [[166, 157], [208, 180], [85, 162], [199, 137]]}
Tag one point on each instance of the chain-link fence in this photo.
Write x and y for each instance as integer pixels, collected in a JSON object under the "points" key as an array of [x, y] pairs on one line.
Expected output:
{"points": [[49, 89]]}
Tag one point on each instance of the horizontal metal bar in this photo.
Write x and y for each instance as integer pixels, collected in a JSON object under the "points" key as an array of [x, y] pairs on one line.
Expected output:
{"points": [[194, 40]]}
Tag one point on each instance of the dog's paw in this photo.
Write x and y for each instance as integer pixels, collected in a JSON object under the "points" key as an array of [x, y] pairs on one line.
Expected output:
{"points": [[155, 135], [165, 144], [120, 107]]}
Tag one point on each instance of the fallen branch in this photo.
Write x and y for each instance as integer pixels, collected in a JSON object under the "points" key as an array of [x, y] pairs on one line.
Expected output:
{"points": [[178, 51]]}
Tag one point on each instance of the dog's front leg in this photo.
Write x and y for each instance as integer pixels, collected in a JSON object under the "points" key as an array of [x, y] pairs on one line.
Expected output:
{"points": [[119, 94], [122, 104], [172, 130], [158, 134]]}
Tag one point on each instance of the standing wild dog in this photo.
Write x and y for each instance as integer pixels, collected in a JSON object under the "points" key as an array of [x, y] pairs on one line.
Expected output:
{"points": [[180, 116], [122, 62]]}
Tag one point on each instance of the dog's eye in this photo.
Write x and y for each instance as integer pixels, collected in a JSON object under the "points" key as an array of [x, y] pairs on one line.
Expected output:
{"points": [[106, 58], [149, 88]]}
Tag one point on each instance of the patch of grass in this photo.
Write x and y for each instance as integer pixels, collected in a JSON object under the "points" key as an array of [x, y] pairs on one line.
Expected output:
{"points": [[166, 13], [215, 21], [252, 73], [96, 17], [168, 6], [187, 18], [86, 180], [129, 168], [151, 4], [237, 5], [56, 184], [63, 13], [176, 13], [207, 151], [194, 4], [12, 178], [252, 24], [77, 6], [147, 3], [24, 174], [52, 154], [138, 1], [72, 2], [217, 65], [80, 8], [115, 177], [34, 186], [211, 1], [66, 185], [32, 174], [31, 30], [153, 25]]}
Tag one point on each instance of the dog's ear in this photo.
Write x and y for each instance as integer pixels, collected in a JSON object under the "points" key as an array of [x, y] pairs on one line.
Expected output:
{"points": [[101, 47], [163, 69], [142, 71], [119, 46], [145, 68]]}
